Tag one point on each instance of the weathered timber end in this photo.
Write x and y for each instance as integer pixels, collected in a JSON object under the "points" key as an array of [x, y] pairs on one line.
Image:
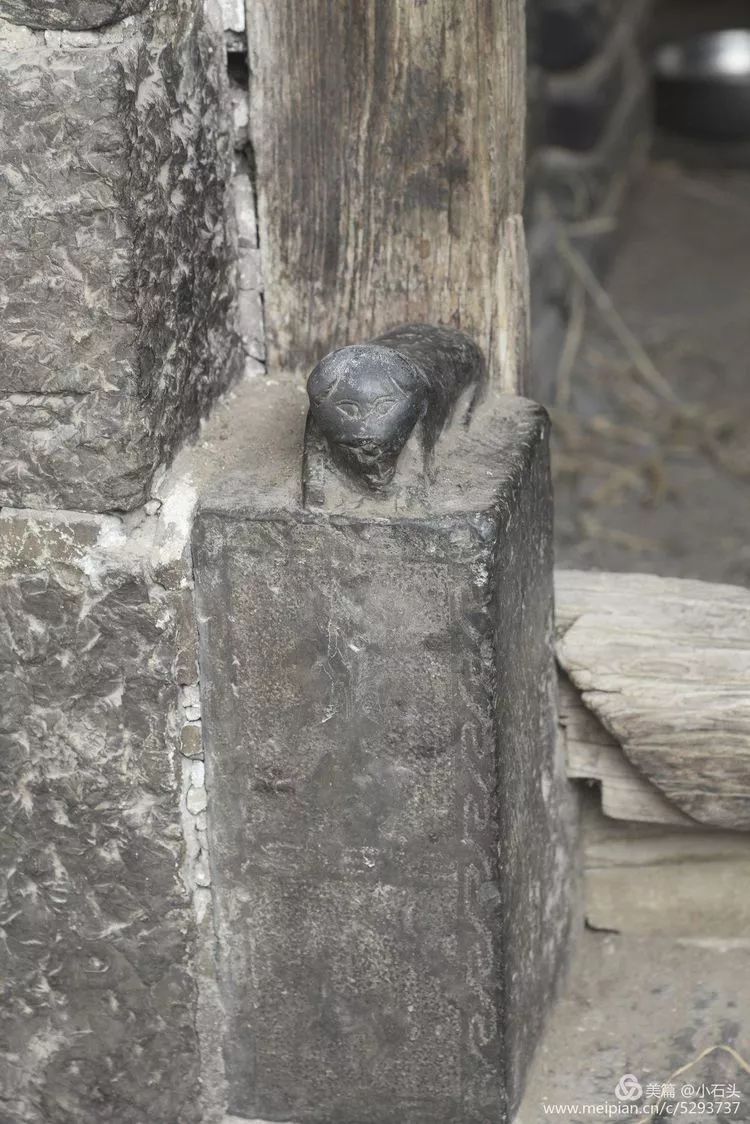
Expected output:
{"points": [[664, 665]]}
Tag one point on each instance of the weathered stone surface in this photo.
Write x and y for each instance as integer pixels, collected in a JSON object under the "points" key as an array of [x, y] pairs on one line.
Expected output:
{"points": [[98, 1020], [116, 269], [68, 14], [388, 820]]}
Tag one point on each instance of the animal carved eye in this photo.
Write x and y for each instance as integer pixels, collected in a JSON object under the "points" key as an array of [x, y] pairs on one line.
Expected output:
{"points": [[350, 408], [381, 407]]}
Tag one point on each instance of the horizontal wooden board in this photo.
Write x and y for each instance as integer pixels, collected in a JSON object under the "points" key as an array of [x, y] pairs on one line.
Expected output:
{"points": [[664, 664]]}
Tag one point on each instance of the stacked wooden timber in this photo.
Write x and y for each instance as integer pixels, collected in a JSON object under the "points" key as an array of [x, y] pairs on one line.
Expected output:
{"points": [[654, 707]]}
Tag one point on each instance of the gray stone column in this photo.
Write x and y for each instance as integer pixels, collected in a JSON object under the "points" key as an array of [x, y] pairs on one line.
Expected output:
{"points": [[388, 822]]}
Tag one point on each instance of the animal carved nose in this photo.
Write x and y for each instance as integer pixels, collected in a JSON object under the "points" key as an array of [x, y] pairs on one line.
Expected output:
{"points": [[362, 448]]}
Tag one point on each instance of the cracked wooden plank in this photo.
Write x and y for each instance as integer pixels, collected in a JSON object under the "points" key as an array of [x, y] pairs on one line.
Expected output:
{"points": [[592, 754], [664, 664]]}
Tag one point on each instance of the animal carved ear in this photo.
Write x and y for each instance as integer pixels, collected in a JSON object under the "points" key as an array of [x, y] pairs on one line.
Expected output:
{"points": [[403, 383], [322, 382]]}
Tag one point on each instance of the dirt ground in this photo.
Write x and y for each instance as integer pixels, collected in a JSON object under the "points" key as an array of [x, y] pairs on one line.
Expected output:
{"points": [[652, 431], [669, 1013]]}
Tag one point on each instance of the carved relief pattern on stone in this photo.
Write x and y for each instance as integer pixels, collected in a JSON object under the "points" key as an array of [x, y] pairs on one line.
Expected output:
{"points": [[367, 399], [476, 782]]}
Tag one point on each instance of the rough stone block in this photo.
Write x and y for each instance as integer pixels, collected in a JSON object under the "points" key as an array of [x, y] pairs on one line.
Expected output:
{"points": [[388, 819], [664, 880], [68, 14], [664, 663], [116, 273], [98, 1019]]}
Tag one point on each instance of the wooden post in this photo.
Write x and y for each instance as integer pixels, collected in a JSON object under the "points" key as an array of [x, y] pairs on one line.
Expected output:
{"points": [[389, 142]]}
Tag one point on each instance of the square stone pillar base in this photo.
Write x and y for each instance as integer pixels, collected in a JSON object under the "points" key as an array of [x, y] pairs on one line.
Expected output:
{"points": [[388, 822]]}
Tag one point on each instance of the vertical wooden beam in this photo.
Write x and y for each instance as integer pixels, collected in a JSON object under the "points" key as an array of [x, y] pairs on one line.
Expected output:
{"points": [[389, 139]]}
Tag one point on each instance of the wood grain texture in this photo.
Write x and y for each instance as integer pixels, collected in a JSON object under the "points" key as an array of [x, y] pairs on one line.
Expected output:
{"points": [[389, 143], [591, 753], [665, 665]]}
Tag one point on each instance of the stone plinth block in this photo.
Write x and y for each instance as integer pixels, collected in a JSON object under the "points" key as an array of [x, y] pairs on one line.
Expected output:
{"points": [[97, 1015], [388, 822], [116, 261]]}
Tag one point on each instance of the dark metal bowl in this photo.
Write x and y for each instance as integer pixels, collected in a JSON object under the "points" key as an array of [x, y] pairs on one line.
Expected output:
{"points": [[703, 86]]}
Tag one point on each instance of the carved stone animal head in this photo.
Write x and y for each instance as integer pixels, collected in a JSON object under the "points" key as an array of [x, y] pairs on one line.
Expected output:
{"points": [[366, 401]]}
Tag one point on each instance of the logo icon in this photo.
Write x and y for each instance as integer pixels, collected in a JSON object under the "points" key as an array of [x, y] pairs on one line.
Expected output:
{"points": [[628, 1088]]}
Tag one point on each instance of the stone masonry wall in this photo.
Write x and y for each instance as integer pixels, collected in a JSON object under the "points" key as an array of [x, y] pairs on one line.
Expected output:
{"points": [[117, 268], [120, 326], [99, 995], [131, 301]]}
